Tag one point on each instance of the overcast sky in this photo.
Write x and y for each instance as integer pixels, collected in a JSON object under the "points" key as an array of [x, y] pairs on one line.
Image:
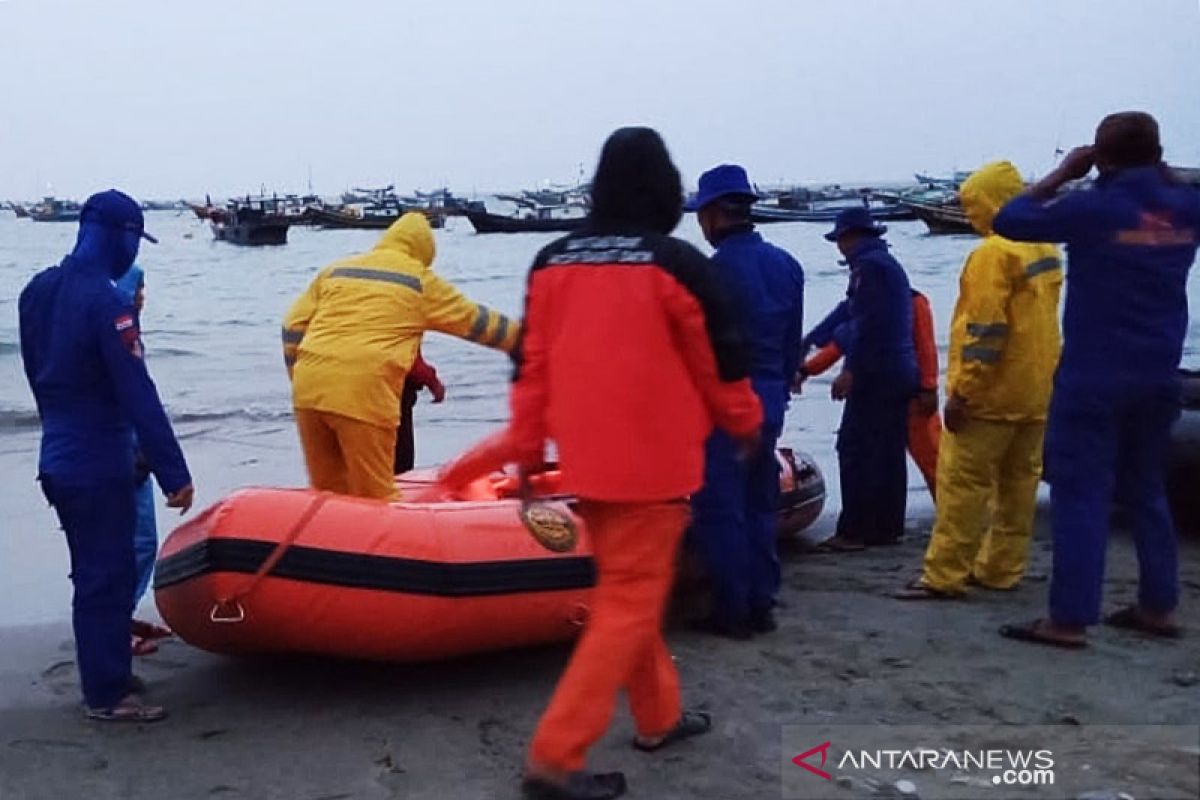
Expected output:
{"points": [[170, 98]]}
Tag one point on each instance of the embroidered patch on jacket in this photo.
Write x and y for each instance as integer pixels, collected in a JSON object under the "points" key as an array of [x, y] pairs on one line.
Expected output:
{"points": [[1157, 230]]}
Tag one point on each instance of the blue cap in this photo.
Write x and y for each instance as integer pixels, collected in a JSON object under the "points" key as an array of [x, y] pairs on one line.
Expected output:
{"points": [[727, 180], [854, 219], [115, 210]]}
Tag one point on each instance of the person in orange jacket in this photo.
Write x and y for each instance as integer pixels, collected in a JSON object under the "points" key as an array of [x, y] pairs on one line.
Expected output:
{"points": [[622, 297], [924, 423]]}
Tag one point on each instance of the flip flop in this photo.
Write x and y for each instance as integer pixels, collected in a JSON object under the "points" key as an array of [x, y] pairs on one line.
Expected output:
{"points": [[1032, 632], [920, 591], [839, 544], [578, 786], [1130, 619], [691, 723], [128, 710], [141, 646], [148, 630]]}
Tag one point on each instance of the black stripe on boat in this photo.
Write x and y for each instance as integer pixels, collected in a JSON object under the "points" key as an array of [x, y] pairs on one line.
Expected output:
{"points": [[385, 573]]}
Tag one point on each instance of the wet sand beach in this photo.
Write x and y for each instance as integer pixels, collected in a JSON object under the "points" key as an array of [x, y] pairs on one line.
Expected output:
{"points": [[845, 653]]}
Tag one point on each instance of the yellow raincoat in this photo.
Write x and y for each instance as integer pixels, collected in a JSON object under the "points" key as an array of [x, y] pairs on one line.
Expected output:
{"points": [[1004, 337], [1004, 346], [351, 338]]}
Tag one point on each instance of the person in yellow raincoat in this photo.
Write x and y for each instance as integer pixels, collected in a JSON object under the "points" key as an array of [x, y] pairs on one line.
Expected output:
{"points": [[1004, 347], [351, 338]]}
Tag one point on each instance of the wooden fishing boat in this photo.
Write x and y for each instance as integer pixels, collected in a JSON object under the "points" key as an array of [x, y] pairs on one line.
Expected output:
{"points": [[370, 217], [54, 210], [886, 212], [252, 222], [940, 219], [540, 220]]}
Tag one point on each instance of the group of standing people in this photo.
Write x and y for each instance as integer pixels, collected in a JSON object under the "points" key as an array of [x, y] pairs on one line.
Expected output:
{"points": [[707, 350]]}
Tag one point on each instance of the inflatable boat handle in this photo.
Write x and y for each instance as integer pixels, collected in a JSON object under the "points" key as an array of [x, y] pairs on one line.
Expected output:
{"points": [[237, 617], [287, 541]]}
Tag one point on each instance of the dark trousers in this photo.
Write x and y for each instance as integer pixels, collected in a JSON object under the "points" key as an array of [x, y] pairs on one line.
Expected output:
{"points": [[1106, 443], [735, 520], [98, 520], [406, 448], [871, 447]]}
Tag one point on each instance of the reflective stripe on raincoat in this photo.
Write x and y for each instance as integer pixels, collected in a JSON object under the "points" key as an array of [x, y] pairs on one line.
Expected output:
{"points": [[352, 337]]}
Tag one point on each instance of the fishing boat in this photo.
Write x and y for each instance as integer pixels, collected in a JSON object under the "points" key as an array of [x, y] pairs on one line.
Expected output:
{"points": [[52, 209], [366, 216], [251, 222], [940, 218], [539, 219], [883, 212], [299, 571]]}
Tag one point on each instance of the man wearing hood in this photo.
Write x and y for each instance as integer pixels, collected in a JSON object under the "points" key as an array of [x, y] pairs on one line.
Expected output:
{"points": [[350, 340], [737, 512], [1004, 346], [873, 327], [82, 355], [1131, 241], [620, 297]]}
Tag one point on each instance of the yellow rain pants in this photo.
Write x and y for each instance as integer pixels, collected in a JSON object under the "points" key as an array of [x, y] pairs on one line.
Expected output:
{"points": [[347, 456], [988, 475]]}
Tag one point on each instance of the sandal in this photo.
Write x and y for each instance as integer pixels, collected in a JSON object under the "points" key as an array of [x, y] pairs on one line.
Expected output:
{"points": [[1035, 632], [128, 710], [691, 723], [916, 590], [578, 786], [839, 544], [141, 646], [148, 630], [1131, 618]]}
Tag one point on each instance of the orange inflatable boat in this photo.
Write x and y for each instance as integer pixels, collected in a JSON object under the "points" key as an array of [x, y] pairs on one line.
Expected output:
{"points": [[298, 571]]}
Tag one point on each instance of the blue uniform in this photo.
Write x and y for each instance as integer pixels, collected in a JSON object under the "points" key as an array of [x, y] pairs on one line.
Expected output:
{"points": [[82, 355], [873, 329], [1130, 243], [736, 513]]}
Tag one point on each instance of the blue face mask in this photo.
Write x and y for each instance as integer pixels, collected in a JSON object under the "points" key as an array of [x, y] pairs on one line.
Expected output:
{"points": [[132, 242]]}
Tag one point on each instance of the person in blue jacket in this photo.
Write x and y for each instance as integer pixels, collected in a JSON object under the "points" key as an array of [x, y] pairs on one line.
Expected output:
{"points": [[1131, 240], [132, 288], [82, 355], [873, 328], [735, 514]]}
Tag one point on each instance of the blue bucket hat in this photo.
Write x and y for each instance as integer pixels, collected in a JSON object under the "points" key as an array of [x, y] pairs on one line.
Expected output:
{"points": [[854, 219], [115, 209], [726, 180]]}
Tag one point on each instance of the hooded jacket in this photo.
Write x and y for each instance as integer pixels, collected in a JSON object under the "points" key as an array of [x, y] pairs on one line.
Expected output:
{"points": [[629, 354], [1004, 336], [81, 349], [352, 337], [1130, 243]]}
